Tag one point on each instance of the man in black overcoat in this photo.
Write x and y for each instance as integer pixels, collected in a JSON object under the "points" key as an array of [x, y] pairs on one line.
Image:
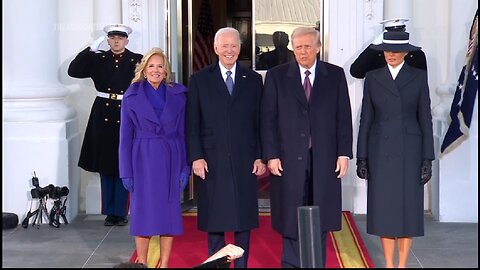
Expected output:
{"points": [[223, 144], [306, 139]]}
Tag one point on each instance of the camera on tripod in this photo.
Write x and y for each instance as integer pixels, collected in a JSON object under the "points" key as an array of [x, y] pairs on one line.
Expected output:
{"points": [[54, 192], [43, 193]]}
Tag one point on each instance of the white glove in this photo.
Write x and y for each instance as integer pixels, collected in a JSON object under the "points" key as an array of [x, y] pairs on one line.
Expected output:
{"points": [[378, 40], [96, 44]]}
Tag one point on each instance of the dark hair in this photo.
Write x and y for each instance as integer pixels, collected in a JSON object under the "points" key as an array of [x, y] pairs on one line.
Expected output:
{"points": [[130, 265], [280, 39]]}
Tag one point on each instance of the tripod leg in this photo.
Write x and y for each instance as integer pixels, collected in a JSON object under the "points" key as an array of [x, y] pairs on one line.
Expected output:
{"points": [[26, 220], [56, 221], [46, 212], [38, 217], [35, 213], [53, 212], [63, 215], [63, 211], [57, 217], [42, 208]]}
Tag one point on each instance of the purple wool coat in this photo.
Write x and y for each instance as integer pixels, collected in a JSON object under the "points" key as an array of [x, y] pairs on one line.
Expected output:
{"points": [[152, 151]]}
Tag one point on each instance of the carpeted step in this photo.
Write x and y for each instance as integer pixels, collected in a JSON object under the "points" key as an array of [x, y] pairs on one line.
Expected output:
{"points": [[345, 248]]}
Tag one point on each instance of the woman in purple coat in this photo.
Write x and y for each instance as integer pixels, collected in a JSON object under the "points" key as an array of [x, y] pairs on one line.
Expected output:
{"points": [[153, 164]]}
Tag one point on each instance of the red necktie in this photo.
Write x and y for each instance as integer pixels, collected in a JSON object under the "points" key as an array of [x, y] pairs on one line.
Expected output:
{"points": [[307, 85]]}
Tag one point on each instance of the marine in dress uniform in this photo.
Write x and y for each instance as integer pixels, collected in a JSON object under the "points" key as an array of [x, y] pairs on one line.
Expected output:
{"points": [[371, 59], [112, 72]]}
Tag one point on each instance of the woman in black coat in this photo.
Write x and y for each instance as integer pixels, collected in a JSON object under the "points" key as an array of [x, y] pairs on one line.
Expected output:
{"points": [[395, 147]]}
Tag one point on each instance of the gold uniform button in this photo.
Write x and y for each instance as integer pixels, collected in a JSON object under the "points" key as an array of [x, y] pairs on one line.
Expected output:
{"points": [[106, 119], [109, 89], [116, 66], [107, 104], [118, 121], [116, 60], [118, 105]]}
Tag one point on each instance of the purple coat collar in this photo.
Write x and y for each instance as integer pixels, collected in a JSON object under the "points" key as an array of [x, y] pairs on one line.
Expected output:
{"points": [[174, 100]]}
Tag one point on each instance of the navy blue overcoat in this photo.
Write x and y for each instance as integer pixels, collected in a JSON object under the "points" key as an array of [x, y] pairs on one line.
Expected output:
{"points": [[224, 130], [395, 136]]}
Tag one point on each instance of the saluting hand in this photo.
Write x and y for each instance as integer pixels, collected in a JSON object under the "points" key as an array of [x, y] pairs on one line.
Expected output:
{"points": [[96, 44]]}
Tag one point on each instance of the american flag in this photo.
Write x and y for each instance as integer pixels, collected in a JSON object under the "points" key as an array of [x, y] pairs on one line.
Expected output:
{"points": [[463, 103], [203, 52]]}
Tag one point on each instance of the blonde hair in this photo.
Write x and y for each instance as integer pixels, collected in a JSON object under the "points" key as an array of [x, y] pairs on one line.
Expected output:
{"points": [[140, 76], [303, 31]]}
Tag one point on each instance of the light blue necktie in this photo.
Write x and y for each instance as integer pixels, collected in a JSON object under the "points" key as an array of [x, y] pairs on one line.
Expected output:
{"points": [[229, 82]]}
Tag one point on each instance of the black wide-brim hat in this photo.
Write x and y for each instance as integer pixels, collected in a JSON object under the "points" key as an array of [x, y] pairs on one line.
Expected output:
{"points": [[395, 42]]}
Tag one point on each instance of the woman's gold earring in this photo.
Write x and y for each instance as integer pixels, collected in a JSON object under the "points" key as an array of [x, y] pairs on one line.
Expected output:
{"points": [[144, 76]]}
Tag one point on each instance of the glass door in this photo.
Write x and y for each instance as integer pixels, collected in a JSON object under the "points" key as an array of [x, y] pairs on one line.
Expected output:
{"points": [[258, 21]]}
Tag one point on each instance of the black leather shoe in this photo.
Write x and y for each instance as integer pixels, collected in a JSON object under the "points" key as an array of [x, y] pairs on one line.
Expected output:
{"points": [[110, 221], [121, 221]]}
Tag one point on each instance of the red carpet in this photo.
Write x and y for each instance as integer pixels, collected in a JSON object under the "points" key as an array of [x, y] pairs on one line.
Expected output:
{"points": [[345, 249]]}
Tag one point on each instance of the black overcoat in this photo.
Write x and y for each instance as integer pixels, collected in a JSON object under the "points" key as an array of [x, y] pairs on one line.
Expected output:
{"points": [[395, 135], [224, 130], [273, 58], [100, 145], [287, 121]]}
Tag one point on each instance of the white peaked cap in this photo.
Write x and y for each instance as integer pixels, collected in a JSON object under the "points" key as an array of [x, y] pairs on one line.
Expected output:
{"points": [[394, 22], [117, 29]]}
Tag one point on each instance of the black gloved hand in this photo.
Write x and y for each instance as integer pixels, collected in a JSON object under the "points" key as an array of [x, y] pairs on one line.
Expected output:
{"points": [[362, 168], [426, 172]]}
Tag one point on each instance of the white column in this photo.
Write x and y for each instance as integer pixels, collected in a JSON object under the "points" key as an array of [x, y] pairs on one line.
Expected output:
{"points": [[75, 32], [148, 19], [397, 9], [351, 26], [40, 130], [104, 12]]}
